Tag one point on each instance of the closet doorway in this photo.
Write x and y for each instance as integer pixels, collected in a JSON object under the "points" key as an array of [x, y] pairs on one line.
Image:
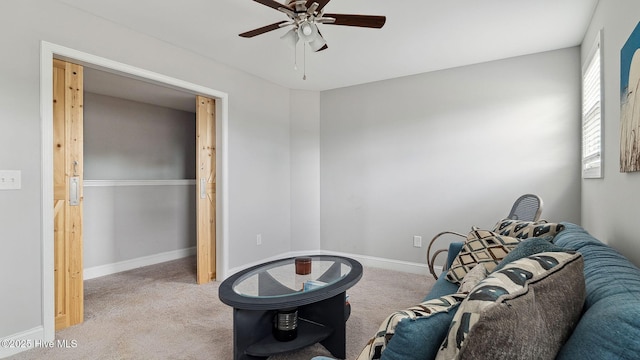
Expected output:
{"points": [[68, 175]]}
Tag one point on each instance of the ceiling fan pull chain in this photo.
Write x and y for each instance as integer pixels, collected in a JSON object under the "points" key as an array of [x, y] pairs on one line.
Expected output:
{"points": [[295, 57], [304, 66]]}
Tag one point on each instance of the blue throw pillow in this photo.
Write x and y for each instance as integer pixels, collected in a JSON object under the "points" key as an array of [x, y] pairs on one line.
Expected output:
{"points": [[420, 338], [529, 247]]}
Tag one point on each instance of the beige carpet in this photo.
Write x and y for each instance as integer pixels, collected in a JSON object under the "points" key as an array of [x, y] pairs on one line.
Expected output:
{"points": [[159, 312]]}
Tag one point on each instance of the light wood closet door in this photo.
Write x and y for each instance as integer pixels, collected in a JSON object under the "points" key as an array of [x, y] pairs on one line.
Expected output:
{"points": [[68, 197], [206, 185]]}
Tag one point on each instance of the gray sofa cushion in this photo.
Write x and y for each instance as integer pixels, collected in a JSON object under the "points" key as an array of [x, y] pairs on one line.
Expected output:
{"points": [[524, 311]]}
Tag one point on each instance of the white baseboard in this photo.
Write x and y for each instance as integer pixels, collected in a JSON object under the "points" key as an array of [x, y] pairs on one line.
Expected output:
{"points": [[372, 261], [383, 263], [108, 269], [21, 341], [271, 258]]}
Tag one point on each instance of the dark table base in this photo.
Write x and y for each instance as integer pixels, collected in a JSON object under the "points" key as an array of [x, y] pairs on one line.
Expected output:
{"points": [[323, 322]]}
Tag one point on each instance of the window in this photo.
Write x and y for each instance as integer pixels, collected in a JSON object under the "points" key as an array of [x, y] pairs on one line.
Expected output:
{"points": [[591, 114]]}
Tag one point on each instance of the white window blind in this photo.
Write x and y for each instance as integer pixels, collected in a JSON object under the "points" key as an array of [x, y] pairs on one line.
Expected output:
{"points": [[592, 115]]}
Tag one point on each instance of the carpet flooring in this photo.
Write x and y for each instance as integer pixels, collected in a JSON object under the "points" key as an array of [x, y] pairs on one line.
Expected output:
{"points": [[159, 312]]}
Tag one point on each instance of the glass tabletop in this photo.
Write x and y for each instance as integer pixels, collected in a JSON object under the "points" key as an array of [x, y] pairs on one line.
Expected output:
{"points": [[284, 278]]}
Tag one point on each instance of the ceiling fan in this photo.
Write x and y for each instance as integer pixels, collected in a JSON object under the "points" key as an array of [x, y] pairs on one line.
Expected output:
{"points": [[304, 17]]}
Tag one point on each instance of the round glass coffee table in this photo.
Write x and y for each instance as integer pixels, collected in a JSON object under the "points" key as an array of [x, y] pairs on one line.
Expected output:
{"points": [[263, 295]]}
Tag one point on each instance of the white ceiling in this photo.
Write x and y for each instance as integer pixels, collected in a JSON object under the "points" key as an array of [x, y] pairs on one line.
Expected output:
{"points": [[419, 35]]}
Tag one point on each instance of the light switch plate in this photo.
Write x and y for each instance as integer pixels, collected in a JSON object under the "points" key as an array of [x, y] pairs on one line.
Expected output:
{"points": [[10, 179], [417, 241]]}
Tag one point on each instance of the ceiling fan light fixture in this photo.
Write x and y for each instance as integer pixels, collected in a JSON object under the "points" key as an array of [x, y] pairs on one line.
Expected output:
{"points": [[317, 43], [304, 17], [307, 31], [291, 37]]}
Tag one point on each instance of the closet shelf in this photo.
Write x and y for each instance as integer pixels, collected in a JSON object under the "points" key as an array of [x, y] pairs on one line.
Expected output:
{"points": [[98, 183]]}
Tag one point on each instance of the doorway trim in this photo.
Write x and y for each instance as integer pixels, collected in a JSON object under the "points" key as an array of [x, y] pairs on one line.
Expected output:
{"points": [[47, 53]]}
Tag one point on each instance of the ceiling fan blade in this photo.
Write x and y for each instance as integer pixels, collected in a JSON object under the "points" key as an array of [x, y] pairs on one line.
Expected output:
{"points": [[321, 4], [272, 4], [370, 21], [325, 47], [263, 29]]}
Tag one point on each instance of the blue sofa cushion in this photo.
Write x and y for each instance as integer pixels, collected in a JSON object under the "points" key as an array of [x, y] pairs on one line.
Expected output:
{"points": [[444, 287], [608, 330], [610, 324], [454, 249], [441, 288]]}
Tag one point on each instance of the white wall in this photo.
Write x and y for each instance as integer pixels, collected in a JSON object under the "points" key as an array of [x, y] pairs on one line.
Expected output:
{"points": [[130, 140], [130, 222], [258, 142], [610, 206], [305, 170], [447, 150], [398, 158], [126, 220]]}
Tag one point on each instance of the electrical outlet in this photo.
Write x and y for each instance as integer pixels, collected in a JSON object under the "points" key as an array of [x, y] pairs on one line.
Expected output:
{"points": [[10, 179], [259, 239], [417, 241]]}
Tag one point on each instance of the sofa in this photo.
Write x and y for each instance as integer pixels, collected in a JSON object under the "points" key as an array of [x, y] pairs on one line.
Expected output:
{"points": [[594, 314]]}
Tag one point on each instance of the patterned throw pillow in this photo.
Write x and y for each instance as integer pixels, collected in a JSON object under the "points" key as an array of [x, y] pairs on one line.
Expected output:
{"points": [[481, 246], [526, 229], [428, 309], [473, 277], [525, 311]]}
